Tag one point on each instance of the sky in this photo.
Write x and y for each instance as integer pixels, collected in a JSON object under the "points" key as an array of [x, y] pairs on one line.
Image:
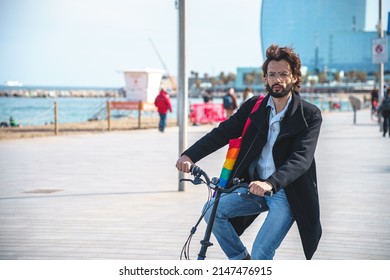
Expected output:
{"points": [[90, 42]]}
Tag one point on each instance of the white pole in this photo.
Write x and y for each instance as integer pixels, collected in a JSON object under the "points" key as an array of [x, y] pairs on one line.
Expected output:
{"points": [[381, 68], [183, 85]]}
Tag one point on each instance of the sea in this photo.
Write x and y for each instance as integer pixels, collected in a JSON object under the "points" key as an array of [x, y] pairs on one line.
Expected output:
{"points": [[31, 111]]}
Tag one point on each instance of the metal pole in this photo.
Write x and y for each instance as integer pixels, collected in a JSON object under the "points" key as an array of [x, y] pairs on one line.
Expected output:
{"points": [[108, 116], [381, 68], [139, 113], [55, 118], [183, 85]]}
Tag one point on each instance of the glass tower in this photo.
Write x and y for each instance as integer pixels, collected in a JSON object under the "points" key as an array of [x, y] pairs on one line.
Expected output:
{"points": [[311, 27]]}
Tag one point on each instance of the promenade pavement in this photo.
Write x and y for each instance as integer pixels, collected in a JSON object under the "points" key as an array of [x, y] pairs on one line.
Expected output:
{"points": [[114, 195]]}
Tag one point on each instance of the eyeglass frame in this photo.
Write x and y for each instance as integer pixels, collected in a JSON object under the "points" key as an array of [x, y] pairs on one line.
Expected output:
{"points": [[282, 75]]}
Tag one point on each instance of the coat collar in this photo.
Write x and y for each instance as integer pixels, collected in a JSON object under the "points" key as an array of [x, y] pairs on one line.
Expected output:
{"points": [[293, 121]]}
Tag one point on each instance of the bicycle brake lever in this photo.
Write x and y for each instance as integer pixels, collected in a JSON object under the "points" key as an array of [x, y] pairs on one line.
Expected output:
{"points": [[181, 180], [196, 181]]}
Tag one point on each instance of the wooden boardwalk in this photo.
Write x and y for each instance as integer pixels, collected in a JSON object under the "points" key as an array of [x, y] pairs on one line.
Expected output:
{"points": [[113, 196]]}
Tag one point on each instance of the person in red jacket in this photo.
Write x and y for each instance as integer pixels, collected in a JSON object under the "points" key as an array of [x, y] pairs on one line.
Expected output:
{"points": [[163, 104]]}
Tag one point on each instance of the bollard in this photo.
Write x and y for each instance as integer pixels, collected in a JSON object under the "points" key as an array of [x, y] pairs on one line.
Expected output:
{"points": [[139, 113], [108, 116], [55, 118]]}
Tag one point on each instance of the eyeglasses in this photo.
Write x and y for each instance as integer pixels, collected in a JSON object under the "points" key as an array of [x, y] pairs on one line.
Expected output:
{"points": [[282, 75]]}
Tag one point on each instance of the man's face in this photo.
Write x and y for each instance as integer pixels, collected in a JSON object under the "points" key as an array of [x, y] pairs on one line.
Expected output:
{"points": [[279, 78]]}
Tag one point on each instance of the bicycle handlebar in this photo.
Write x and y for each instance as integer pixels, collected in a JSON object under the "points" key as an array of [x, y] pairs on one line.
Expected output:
{"points": [[197, 172]]}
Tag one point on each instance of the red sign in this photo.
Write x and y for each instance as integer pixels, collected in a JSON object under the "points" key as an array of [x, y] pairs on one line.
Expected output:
{"points": [[128, 105], [117, 105], [379, 48], [148, 107]]}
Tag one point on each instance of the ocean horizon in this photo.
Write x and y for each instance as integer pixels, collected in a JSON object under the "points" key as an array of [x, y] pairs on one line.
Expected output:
{"points": [[50, 87]]}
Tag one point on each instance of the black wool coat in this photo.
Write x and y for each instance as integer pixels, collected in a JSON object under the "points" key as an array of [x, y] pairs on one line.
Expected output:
{"points": [[293, 154]]}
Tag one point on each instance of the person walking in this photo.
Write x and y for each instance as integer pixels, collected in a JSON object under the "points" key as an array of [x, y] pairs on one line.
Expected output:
{"points": [[374, 101], [276, 155], [384, 110], [207, 96], [230, 102], [163, 104], [246, 95]]}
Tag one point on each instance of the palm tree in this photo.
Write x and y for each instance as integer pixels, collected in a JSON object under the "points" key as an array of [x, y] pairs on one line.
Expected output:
{"points": [[230, 78], [361, 76], [222, 77]]}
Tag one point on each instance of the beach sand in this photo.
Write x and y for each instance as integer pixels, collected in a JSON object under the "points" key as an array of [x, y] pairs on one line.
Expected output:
{"points": [[10, 133]]}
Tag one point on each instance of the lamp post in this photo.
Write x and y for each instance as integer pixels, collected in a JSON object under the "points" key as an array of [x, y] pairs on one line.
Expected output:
{"points": [[381, 93], [381, 66], [182, 96]]}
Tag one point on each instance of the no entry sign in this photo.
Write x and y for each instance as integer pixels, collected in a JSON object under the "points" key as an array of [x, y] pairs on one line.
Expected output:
{"points": [[379, 50]]}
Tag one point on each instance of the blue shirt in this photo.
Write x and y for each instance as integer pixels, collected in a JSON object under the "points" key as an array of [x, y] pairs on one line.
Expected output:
{"points": [[266, 166]]}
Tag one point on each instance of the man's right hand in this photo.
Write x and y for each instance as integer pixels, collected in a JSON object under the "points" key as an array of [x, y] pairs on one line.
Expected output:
{"points": [[184, 164]]}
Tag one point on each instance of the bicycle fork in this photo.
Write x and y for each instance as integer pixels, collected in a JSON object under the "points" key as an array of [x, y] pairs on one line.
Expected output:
{"points": [[206, 239]]}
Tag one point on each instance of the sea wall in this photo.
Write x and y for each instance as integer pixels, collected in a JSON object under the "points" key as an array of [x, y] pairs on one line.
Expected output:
{"points": [[60, 92]]}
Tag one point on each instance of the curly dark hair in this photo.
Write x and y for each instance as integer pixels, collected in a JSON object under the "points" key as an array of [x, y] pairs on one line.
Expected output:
{"points": [[274, 52]]}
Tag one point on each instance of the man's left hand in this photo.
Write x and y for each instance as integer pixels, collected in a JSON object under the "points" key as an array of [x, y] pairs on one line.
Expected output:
{"points": [[259, 188]]}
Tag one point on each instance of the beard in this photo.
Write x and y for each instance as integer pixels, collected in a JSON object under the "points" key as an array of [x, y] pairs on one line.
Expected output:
{"points": [[285, 90]]}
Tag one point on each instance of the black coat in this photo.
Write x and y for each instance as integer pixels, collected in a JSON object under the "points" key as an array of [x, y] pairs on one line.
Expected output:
{"points": [[293, 154]]}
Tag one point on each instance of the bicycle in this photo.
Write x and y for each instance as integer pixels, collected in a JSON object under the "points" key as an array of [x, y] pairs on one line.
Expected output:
{"points": [[201, 177]]}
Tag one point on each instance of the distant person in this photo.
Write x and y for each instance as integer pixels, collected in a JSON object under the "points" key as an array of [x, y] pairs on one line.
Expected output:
{"points": [[208, 111], [12, 122], [374, 101], [207, 96], [247, 94], [230, 102], [163, 104], [384, 110]]}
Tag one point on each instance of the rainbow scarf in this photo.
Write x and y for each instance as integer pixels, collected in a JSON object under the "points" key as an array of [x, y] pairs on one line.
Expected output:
{"points": [[234, 150]]}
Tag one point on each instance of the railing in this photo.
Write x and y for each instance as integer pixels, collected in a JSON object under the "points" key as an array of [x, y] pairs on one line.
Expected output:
{"points": [[129, 106], [54, 118]]}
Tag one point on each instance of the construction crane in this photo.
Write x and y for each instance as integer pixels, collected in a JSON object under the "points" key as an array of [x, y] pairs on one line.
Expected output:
{"points": [[163, 64]]}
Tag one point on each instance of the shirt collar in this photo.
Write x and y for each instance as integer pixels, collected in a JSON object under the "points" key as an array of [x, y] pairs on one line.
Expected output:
{"points": [[281, 114]]}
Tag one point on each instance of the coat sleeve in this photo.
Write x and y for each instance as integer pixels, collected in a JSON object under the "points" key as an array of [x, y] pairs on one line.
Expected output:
{"points": [[220, 136], [168, 103]]}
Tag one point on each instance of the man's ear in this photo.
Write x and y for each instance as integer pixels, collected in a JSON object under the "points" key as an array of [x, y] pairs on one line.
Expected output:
{"points": [[294, 80]]}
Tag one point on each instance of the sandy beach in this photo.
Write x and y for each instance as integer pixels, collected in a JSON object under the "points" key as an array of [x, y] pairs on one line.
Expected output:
{"points": [[11, 133]]}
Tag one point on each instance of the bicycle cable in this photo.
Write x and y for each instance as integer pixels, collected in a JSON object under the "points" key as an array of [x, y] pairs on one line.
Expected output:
{"points": [[186, 247], [198, 173]]}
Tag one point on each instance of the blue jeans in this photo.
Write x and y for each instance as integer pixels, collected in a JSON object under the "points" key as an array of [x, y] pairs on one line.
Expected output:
{"points": [[163, 122], [271, 234]]}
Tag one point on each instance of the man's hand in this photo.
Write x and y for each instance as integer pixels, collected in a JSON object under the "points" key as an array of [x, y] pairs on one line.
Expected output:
{"points": [[184, 164], [259, 188]]}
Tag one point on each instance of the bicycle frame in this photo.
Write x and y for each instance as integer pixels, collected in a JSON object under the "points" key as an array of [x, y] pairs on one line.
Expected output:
{"points": [[198, 173]]}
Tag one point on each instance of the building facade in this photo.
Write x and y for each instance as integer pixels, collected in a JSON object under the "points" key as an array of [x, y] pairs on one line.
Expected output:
{"points": [[326, 34]]}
